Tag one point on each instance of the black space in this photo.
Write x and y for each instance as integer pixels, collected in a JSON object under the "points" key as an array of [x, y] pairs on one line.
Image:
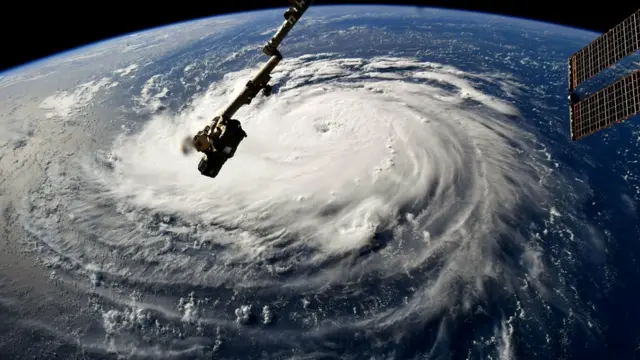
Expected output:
{"points": [[32, 30]]}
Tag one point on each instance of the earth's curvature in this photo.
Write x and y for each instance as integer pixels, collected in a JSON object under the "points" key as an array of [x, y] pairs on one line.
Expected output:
{"points": [[408, 191]]}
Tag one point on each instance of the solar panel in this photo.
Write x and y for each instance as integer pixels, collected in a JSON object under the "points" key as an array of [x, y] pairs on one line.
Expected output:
{"points": [[613, 104], [609, 48]]}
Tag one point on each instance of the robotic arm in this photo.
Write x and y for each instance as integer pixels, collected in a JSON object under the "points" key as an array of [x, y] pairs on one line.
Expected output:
{"points": [[291, 16], [219, 140]]}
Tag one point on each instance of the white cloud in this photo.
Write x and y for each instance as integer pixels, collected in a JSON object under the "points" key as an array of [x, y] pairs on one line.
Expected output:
{"points": [[65, 104]]}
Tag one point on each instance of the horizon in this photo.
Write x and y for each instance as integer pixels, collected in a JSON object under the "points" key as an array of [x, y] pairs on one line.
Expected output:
{"points": [[415, 9]]}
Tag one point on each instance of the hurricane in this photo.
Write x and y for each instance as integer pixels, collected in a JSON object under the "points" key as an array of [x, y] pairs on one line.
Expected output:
{"points": [[385, 204]]}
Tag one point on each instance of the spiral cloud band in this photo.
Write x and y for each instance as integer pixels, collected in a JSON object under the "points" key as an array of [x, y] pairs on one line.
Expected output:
{"points": [[338, 154], [369, 179]]}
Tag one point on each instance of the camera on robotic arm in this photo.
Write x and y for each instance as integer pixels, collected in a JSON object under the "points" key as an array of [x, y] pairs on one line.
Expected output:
{"points": [[218, 143]]}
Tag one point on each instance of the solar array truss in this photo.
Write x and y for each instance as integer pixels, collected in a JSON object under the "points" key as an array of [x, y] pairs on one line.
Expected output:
{"points": [[618, 101]]}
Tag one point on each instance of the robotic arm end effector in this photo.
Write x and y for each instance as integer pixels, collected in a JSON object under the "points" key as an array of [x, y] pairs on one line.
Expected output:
{"points": [[218, 145]]}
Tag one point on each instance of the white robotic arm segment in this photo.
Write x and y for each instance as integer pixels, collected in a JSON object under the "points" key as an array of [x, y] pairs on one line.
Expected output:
{"points": [[260, 81], [220, 140], [291, 16]]}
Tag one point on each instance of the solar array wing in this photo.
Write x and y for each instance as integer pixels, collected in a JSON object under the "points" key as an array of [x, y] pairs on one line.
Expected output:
{"points": [[616, 102], [613, 104], [609, 48]]}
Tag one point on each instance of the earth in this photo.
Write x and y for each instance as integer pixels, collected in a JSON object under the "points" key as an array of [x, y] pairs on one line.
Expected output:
{"points": [[409, 190]]}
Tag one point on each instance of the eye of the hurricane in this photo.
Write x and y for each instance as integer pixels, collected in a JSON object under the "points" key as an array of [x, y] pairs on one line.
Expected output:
{"points": [[384, 178]]}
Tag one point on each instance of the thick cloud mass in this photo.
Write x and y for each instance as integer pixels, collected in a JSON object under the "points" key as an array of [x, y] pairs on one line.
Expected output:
{"points": [[388, 178], [346, 148]]}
